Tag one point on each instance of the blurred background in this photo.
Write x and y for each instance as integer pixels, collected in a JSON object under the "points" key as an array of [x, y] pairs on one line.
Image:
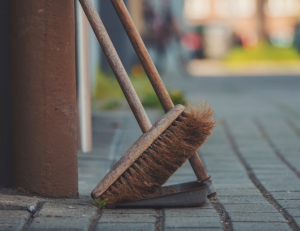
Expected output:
{"points": [[190, 39]]}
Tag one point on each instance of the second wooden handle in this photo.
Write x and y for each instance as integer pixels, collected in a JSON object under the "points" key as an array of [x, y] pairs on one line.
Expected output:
{"points": [[116, 65]]}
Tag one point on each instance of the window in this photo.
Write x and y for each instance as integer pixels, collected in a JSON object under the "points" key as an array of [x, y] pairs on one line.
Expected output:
{"points": [[282, 8], [196, 9]]}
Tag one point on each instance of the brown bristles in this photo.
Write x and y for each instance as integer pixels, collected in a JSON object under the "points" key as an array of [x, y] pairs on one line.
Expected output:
{"points": [[157, 164]]}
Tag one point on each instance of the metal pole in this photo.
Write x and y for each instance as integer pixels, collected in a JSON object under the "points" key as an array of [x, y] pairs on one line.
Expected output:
{"points": [[84, 95], [43, 90]]}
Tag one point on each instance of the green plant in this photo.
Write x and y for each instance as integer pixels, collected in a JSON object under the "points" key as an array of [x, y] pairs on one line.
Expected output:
{"points": [[111, 104], [108, 95], [178, 97], [262, 52], [102, 203], [151, 100]]}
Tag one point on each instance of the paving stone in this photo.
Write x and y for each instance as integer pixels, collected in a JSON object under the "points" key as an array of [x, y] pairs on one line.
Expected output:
{"points": [[279, 172], [238, 192], [191, 212], [192, 222], [292, 204], [51, 209], [13, 220], [235, 186], [59, 223], [230, 175], [127, 218], [250, 208], [66, 216], [286, 186], [251, 226], [236, 181], [130, 211], [243, 200], [274, 177], [294, 212], [192, 229], [125, 227], [286, 195], [17, 202], [260, 217], [297, 219]]}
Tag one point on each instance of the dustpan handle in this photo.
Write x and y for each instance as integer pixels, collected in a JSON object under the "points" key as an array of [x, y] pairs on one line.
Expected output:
{"points": [[153, 75], [116, 65]]}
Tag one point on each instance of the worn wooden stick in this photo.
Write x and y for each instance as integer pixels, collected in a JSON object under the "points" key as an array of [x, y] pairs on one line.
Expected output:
{"points": [[116, 65], [153, 75]]}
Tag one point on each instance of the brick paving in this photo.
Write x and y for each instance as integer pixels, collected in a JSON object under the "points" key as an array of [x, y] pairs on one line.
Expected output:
{"points": [[253, 157]]}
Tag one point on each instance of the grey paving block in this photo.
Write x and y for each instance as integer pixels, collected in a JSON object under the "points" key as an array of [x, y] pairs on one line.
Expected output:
{"points": [[248, 199], [230, 175], [274, 166], [286, 195], [250, 208], [231, 180], [59, 223], [297, 219], [17, 202], [64, 215], [285, 182], [13, 220], [54, 209], [191, 212], [236, 186], [289, 204], [238, 192], [279, 172], [286, 186], [262, 226], [193, 229], [273, 177], [125, 227], [294, 212], [192, 222], [130, 211], [259, 217], [127, 218]]}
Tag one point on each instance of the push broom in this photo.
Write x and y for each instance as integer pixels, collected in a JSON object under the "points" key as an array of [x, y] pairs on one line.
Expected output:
{"points": [[163, 147], [155, 79]]}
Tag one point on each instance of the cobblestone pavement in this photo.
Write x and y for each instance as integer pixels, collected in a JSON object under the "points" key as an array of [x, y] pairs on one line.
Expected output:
{"points": [[253, 157]]}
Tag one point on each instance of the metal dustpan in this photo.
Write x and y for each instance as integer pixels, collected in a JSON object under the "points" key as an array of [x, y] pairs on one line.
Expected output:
{"points": [[191, 194]]}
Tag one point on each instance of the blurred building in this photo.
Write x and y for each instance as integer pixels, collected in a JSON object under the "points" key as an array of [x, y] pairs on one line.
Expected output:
{"points": [[248, 20]]}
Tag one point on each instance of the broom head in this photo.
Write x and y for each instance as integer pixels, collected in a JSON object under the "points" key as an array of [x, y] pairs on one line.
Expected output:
{"points": [[156, 155]]}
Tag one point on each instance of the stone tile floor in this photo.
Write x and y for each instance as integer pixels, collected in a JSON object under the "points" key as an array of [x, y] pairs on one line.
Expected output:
{"points": [[253, 157]]}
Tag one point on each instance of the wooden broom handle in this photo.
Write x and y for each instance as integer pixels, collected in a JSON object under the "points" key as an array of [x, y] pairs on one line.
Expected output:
{"points": [[116, 65], [153, 75]]}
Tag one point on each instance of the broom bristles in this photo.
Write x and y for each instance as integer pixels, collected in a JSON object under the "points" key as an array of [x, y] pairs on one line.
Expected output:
{"points": [[158, 163]]}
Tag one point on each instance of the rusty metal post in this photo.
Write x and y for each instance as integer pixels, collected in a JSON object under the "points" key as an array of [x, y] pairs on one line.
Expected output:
{"points": [[44, 117]]}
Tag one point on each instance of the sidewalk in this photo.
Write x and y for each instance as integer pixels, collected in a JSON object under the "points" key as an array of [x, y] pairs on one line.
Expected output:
{"points": [[215, 68], [253, 157]]}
